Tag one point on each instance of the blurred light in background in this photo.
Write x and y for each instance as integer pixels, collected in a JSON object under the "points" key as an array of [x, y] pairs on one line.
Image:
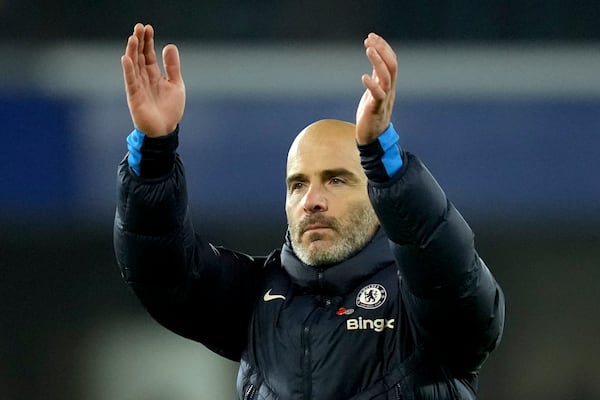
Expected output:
{"points": [[136, 359]]}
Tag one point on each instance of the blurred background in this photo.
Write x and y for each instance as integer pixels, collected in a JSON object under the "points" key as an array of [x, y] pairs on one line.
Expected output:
{"points": [[501, 99]]}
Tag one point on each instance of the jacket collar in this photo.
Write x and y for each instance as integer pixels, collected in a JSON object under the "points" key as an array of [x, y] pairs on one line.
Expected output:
{"points": [[344, 276]]}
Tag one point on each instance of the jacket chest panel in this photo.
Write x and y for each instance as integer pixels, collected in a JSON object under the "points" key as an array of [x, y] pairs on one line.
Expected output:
{"points": [[308, 336]]}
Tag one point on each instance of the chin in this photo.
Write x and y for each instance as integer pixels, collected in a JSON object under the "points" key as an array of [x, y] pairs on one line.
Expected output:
{"points": [[316, 246]]}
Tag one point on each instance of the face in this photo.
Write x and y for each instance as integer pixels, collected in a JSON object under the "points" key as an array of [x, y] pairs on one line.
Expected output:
{"points": [[328, 209]]}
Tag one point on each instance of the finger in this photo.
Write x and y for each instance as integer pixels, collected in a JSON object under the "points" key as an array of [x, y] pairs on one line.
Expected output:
{"points": [[377, 93], [388, 58], [131, 51], [172, 63], [139, 33], [133, 43], [150, 59], [385, 51], [129, 75], [131, 47], [148, 49], [381, 72], [374, 40]]}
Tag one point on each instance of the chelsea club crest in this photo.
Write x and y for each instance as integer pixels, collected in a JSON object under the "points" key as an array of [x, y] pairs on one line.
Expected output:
{"points": [[371, 296]]}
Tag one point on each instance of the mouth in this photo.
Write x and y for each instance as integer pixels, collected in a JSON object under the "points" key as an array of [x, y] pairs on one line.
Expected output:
{"points": [[316, 227]]}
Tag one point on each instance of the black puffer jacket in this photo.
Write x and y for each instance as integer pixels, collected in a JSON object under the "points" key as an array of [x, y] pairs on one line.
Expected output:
{"points": [[411, 316]]}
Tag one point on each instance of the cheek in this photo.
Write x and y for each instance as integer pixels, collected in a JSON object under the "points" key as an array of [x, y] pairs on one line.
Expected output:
{"points": [[289, 210]]}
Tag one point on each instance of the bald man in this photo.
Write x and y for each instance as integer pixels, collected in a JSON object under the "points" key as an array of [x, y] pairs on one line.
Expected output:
{"points": [[328, 209], [377, 291]]}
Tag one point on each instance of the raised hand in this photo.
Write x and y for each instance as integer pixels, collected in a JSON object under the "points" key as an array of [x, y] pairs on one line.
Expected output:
{"points": [[156, 101], [374, 112]]}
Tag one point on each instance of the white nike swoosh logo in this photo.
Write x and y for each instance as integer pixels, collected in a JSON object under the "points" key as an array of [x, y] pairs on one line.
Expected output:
{"points": [[268, 296]]}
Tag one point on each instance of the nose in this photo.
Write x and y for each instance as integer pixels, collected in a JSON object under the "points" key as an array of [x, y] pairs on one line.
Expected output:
{"points": [[314, 200]]}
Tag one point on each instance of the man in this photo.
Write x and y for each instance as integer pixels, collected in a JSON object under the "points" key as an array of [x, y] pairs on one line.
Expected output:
{"points": [[377, 291]]}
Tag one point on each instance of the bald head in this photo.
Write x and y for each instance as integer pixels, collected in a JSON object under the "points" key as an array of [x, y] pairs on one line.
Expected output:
{"points": [[329, 127], [326, 135]]}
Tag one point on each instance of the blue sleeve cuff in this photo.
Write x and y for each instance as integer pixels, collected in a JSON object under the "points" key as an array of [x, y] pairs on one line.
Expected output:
{"points": [[382, 158], [135, 140], [391, 159], [152, 157]]}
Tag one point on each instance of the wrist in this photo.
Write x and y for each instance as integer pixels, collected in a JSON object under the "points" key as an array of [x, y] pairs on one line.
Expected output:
{"points": [[152, 157], [382, 157]]}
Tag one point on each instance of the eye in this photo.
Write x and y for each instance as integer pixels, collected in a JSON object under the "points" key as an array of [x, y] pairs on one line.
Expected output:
{"points": [[336, 180], [294, 186]]}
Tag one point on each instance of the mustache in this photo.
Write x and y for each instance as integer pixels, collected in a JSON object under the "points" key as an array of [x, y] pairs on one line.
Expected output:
{"points": [[317, 219]]}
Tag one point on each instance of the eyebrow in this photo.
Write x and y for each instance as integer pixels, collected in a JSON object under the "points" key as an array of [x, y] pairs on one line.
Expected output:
{"points": [[341, 172], [325, 174]]}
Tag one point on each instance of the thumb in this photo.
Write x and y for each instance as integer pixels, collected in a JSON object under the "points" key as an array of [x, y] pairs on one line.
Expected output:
{"points": [[172, 63]]}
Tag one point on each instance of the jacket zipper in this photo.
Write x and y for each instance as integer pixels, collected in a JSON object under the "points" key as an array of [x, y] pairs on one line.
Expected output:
{"points": [[398, 391], [250, 392], [307, 370], [306, 348], [307, 354]]}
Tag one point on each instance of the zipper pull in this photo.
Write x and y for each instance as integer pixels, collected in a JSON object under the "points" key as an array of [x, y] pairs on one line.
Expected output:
{"points": [[250, 392]]}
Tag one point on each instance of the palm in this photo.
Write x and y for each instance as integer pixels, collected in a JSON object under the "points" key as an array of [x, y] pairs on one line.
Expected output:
{"points": [[374, 111], [366, 112], [156, 102]]}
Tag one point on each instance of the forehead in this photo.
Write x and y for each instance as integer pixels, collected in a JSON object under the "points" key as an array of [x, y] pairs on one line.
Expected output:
{"points": [[315, 153]]}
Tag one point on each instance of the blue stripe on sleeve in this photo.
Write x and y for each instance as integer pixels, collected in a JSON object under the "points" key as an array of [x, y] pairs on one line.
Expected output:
{"points": [[134, 145], [391, 159]]}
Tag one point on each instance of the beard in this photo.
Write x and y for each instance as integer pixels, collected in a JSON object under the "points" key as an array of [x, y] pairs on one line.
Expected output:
{"points": [[353, 231]]}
